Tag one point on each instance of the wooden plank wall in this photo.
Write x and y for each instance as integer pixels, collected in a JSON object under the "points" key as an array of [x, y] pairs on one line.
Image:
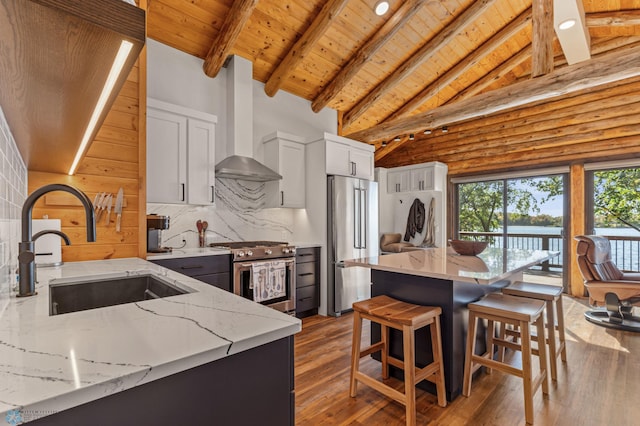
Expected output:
{"points": [[590, 126], [115, 159]]}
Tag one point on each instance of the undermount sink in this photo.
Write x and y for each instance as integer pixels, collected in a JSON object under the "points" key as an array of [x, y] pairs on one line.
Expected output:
{"points": [[79, 295]]}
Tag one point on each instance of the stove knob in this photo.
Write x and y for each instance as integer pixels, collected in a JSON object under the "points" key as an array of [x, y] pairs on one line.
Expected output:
{"points": [[240, 254], [249, 253], [285, 250], [292, 249], [268, 252]]}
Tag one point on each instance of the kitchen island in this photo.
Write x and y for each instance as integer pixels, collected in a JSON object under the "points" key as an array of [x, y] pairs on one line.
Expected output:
{"points": [[440, 277], [202, 357]]}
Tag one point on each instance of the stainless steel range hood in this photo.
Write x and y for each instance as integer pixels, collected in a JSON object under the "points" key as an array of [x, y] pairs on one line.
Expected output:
{"points": [[245, 168], [240, 164]]}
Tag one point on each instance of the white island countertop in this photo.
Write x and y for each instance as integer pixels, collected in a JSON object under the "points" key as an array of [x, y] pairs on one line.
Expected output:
{"points": [[491, 265], [52, 363]]}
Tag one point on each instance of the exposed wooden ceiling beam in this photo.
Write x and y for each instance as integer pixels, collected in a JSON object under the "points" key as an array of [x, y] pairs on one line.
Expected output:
{"points": [[598, 71], [465, 64], [357, 61], [542, 38], [496, 74], [622, 18], [222, 44], [303, 46], [448, 33]]}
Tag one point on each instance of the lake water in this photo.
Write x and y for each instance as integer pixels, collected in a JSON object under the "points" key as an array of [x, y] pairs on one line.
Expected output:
{"points": [[626, 254]]}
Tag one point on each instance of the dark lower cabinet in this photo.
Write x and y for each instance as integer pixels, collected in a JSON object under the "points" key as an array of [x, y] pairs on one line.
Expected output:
{"points": [[307, 281], [254, 387], [214, 270]]}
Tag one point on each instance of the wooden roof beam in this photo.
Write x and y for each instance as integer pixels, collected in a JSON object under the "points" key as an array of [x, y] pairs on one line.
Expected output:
{"points": [[584, 75], [222, 44], [304, 45], [497, 40], [542, 37], [448, 33], [360, 58], [621, 18]]}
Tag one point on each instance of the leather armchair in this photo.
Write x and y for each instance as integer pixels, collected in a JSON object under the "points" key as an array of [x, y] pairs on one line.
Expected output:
{"points": [[607, 286]]}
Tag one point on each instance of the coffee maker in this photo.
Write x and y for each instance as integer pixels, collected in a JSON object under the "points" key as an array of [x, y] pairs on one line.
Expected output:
{"points": [[155, 225]]}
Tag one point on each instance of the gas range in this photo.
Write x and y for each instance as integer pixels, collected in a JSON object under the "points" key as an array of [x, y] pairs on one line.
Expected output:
{"points": [[257, 250]]}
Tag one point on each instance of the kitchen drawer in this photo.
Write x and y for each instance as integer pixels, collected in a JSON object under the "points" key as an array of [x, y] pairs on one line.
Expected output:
{"points": [[199, 265], [222, 281], [307, 298], [306, 274], [308, 254]]}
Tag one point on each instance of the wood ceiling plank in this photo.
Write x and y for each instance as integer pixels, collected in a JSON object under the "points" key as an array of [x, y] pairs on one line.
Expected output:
{"points": [[584, 75], [464, 65], [304, 45], [425, 52], [228, 35], [357, 61], [622, 18]]}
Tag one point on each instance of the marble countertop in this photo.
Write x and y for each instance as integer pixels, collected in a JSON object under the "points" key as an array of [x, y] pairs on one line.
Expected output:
{"points": [[491, 265], [51, 363], [188, 252], [210, 251]]}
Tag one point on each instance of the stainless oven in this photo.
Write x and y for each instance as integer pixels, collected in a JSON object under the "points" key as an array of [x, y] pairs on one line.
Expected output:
{"points": [[265, 272]]}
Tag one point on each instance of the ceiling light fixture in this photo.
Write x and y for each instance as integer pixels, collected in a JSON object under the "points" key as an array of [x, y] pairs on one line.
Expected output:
{"points": [[116, 69], [427, 132], [412, 137], [397, 139], [381, 8], [445, 129], [384, 143], [565, 25]]}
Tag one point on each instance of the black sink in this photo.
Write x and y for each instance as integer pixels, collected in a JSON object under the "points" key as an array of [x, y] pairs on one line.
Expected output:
{"points": [[65, 297]]}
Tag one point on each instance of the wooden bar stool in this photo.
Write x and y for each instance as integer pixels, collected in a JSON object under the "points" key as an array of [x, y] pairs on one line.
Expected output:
{"points": [[519, 312], [552, 296], [408, 318]]}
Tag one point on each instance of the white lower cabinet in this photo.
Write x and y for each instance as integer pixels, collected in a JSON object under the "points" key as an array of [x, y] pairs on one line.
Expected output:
{"points": [[180, 155], [285, 154]]}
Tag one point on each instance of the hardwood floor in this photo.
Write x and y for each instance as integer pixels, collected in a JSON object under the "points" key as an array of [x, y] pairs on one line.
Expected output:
{"points": [[599, 384]]}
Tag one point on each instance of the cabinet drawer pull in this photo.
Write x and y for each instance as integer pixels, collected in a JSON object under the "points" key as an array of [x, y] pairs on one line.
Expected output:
{"points": [[192, 267], [305, 274], [305, 298]]}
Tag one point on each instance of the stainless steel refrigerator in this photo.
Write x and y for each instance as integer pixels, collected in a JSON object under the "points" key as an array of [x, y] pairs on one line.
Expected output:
{"points": [[352, 233]]}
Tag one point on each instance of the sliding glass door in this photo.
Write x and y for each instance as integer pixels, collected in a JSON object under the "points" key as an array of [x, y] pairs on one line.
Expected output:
{"points": [[613, 210], [517, 212]]}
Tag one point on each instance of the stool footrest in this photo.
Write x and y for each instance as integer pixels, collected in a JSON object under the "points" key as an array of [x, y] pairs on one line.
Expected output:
{"points": [[381, 387], [372, 349]]}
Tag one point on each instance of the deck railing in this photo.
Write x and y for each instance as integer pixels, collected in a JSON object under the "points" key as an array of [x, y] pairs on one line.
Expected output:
{"points": [[625, 251]]}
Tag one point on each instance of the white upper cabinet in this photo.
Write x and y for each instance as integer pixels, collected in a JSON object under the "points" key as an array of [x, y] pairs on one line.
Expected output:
{"points": [[346, 157], [417, 177], [180, 154], [285, 154]]}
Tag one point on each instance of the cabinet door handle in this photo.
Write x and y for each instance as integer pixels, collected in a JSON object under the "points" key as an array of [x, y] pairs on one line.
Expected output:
{"points": [[183, 194], [305, 274], [282, 198], [213, 194], [192, 267]]}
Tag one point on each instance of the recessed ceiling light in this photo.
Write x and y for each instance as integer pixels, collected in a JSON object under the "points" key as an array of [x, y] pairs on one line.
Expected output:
{"points": [[427, 132], [397, 139], [381, 8], [411, 137], [445, 129], [565, 25]]}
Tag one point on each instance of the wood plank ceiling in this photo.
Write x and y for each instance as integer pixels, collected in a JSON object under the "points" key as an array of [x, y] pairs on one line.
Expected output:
{"points": [[381, 71]]}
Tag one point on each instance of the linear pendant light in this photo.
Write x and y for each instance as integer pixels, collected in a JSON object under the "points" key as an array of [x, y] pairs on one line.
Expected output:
{"points": [[116, 69]]}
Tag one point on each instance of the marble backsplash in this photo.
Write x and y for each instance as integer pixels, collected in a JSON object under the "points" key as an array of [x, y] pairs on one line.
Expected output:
{"points": [[238, 215], [13, 192]]}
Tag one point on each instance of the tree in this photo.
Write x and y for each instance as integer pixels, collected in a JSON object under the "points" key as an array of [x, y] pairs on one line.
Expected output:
{"points": [[616, 197], [481, 207]]}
